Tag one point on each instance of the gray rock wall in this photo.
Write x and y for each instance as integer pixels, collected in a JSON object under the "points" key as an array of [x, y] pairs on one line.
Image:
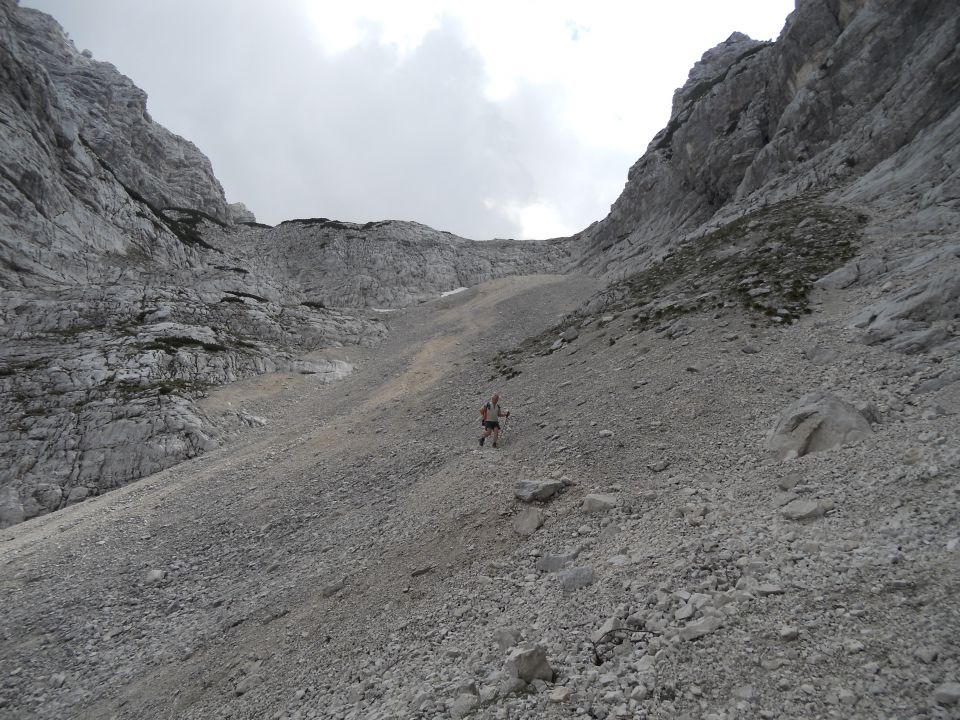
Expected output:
{"points": [[846, 86], [129, 286], [388, 264]]}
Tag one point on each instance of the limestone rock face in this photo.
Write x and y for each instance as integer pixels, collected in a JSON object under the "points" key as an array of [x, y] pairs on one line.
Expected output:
{"points": [[129, 286], [846, 88], [387, 264]]}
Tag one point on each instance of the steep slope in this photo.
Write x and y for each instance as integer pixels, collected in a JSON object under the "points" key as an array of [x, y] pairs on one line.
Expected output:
{"points": [[129, 286]]}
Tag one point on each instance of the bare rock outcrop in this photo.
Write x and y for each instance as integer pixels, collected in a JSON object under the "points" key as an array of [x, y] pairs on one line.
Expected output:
{"points": [[823, 106]]}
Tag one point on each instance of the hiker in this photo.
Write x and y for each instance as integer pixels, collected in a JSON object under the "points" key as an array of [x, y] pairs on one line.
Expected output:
{"points": [[491, 414]]}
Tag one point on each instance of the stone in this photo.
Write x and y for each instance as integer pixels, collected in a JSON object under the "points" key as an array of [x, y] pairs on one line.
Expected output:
{"points": [[926, 654], [552, 562], [331, 589], [764, 589], [789, 633], [465, 704], [599, 502], [560, 694], [698, 628], [750, 348], [154, 576], [576, 578], [816, 422], [570, 334], [821, 355], [529, 663], [506, 637], [947, 693], [531, 490], [608, 627], [606, 433], [658, 465], [528, 521], [803, 510]]}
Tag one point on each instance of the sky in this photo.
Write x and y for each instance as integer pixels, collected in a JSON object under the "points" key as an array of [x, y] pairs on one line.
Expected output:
{"points": [[487, 119]]}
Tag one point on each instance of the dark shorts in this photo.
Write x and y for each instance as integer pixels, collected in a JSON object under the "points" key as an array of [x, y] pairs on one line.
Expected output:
{"points": [[491, 424]]}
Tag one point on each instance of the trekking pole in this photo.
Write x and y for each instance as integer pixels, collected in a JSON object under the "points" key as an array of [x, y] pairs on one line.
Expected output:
{"points": [[503, 431]]}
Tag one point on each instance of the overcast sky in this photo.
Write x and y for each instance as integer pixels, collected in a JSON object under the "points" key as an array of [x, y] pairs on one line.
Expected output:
{"points": [[488, 119]]}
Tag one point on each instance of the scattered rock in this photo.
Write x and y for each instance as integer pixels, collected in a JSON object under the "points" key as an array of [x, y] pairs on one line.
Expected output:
{"points": [[531, 490], [465, 704], [529, 663], [699, 628], [576, 578], [789, 633], [947, 694], [528, 521], [599, 502], [803, 510]]}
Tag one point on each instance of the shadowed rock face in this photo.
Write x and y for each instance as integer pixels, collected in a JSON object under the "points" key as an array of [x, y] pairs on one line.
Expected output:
{"points": [[847, 86]]}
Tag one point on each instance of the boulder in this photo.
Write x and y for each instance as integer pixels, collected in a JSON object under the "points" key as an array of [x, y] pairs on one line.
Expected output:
{"points": [[570, 334], [549, 562], [699, 628], [947, 694], [818, 421], [465, 704], [803, 510], [530, 490], [529, 663], [528, 521], [576, 578], [599, 502], [608, 627]]}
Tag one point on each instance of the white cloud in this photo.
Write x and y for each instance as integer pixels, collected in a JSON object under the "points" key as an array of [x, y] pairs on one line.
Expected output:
{"points": [[417, 110]]}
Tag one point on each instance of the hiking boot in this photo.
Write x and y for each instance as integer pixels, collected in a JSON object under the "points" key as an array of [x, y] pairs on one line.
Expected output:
{"points": [[481, 441], [494, 444]]}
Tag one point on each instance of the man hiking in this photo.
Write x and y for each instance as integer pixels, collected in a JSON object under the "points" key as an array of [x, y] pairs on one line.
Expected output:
{"points": [[491, 413]]}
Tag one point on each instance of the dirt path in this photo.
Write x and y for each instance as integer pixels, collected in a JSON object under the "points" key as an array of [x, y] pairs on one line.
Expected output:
{"points": [[275, 555]]}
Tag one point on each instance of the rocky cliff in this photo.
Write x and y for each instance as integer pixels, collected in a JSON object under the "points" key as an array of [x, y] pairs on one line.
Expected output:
{"points": [[849, 90], [128, 284]]}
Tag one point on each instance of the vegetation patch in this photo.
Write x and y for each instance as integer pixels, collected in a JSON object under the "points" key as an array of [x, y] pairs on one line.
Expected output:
{"points": [[765, 262], [314, 304]]}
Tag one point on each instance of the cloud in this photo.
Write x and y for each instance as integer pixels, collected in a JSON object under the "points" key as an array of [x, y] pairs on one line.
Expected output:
{"points": [[502, 120]]}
